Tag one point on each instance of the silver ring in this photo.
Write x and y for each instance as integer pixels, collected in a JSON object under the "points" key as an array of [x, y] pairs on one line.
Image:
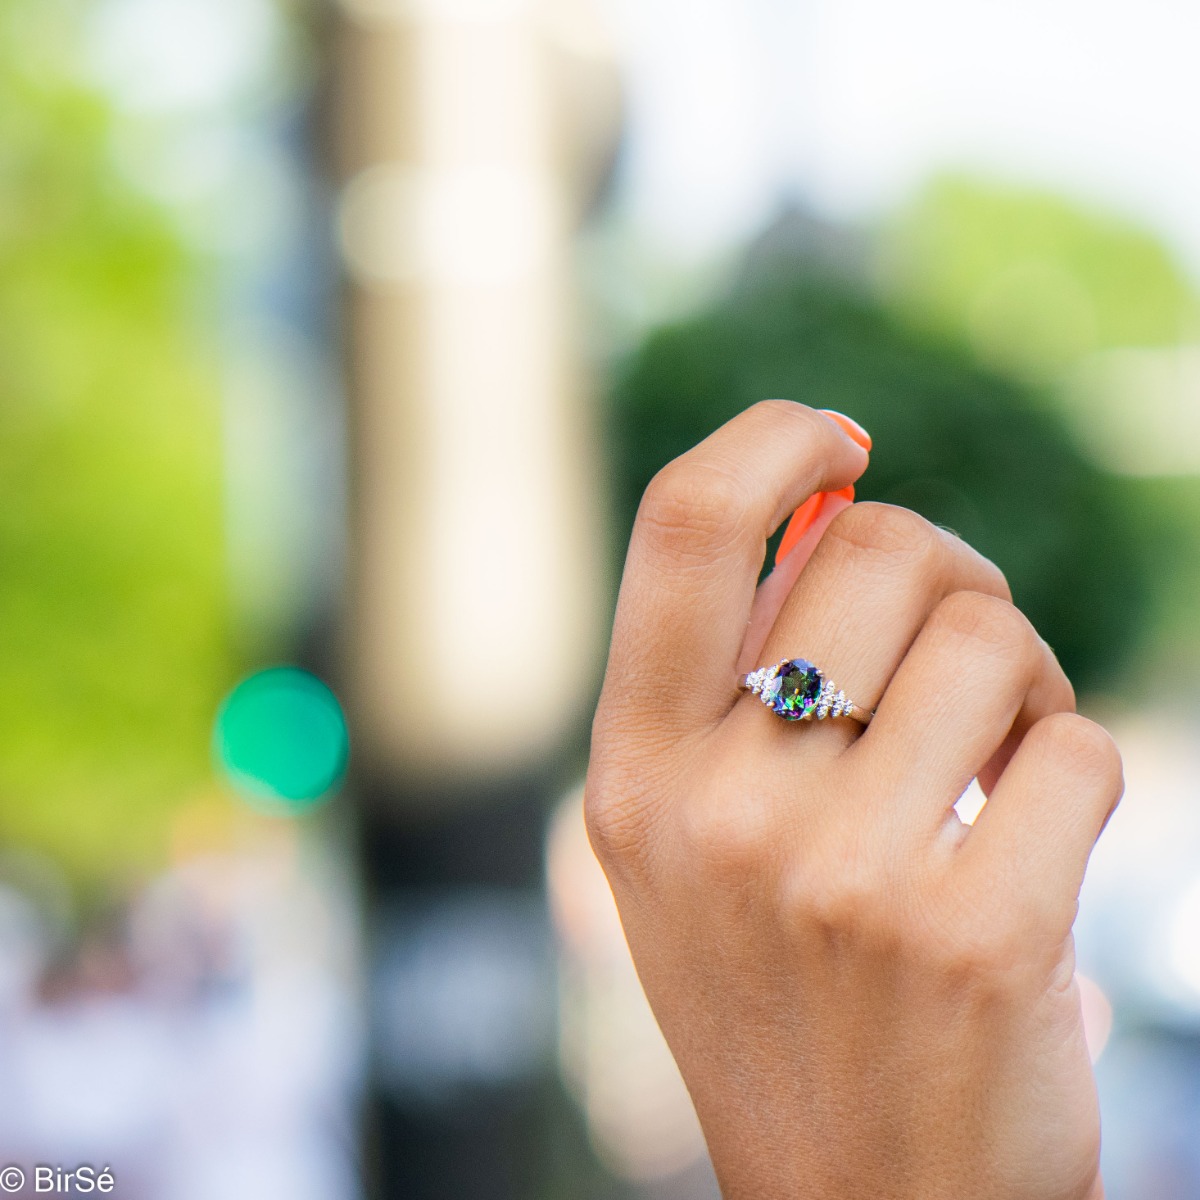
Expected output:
{"points": [[796, 690]]}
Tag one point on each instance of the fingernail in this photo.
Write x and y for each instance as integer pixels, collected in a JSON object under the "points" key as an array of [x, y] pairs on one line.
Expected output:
{"points": [[799, 525], [851, 427], [803, 519]]}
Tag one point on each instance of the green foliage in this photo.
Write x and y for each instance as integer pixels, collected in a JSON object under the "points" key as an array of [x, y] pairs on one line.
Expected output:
{"points": [[968, 448], [113, 641], [1033, 281]]}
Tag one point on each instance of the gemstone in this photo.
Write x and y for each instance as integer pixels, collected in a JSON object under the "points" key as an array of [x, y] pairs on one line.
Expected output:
{"points": [[795, 691]]}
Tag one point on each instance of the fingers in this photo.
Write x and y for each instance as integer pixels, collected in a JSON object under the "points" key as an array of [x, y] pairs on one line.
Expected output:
{"points": [[976, 678], [774, 590], [696, 551], [862, 600], [1029, 847]]}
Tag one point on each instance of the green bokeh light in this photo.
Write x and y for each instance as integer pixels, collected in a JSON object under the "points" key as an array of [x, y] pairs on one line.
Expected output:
{"points": [[282, 739]]}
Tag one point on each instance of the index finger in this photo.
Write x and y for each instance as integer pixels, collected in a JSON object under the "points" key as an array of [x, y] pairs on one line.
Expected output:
{"points": [[695, 554]]}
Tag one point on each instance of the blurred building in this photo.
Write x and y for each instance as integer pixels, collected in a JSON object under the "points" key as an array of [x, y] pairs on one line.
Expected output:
{"points": [[470, 138]]}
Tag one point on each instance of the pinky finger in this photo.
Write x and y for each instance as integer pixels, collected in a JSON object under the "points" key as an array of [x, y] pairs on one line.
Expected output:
{"points": [[1033, 839]]}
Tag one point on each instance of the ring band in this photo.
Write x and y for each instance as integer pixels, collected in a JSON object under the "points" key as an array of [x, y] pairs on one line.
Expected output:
{"points": [[796, 690]]}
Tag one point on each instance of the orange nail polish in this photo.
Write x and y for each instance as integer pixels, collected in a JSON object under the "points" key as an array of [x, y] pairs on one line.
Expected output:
{"points": [[803, 519], [799, 525], [851, 427]]}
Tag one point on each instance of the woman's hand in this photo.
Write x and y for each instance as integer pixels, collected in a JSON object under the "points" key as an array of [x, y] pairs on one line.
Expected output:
{"points": [[865, 997]]}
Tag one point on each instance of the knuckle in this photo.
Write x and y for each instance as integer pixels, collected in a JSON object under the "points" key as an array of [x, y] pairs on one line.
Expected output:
{"points": [[988, 945], [1086, 748], [615, 829], [888, 532], [614, 813], [968, 943], [987, 956], [990, 578], [776, 410], [838, 897], [781, 413], [987, 621], [689, 508], [847, 910]]}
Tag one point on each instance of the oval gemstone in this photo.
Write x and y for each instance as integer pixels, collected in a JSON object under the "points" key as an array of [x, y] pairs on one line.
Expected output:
{"points": [[794, 691]]}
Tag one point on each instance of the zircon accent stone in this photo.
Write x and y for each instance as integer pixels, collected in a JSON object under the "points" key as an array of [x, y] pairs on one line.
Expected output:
{"points": [[795, 691], [756, 681]]}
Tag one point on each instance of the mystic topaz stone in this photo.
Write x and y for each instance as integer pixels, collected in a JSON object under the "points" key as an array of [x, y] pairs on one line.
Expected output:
{"points": [[794, 691]]}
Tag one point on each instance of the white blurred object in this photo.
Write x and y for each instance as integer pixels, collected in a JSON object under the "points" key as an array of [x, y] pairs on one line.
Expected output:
{"points": [[402, 11], [180, 55], [1097, 1015], [478, 548], [475, 227], [1138, 929], [1183, 944], [229, 1066]]}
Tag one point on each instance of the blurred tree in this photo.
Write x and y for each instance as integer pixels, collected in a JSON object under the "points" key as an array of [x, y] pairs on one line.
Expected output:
{"points": [[113, 639], [966, 447], [1054, 293], [1030, 280]]}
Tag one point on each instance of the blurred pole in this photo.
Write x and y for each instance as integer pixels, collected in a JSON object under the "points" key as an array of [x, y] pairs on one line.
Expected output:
{"points": [[469, 134]]}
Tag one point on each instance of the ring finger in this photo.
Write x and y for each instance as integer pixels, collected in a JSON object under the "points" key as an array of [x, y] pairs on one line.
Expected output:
{"points": [[859, 605]]}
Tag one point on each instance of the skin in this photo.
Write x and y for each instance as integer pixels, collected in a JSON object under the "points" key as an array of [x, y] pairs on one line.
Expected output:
{"points": [[865, 997]]}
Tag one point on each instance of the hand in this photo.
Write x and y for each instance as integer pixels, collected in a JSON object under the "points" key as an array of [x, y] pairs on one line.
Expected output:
{"points": [[865, 997]]}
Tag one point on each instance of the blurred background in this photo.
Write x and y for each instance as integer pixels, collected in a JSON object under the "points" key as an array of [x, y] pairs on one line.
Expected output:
{"points": [[337, 342]]}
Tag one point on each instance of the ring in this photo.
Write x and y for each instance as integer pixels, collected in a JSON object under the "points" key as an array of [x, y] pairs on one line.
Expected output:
{"points": [[796, 690]]}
